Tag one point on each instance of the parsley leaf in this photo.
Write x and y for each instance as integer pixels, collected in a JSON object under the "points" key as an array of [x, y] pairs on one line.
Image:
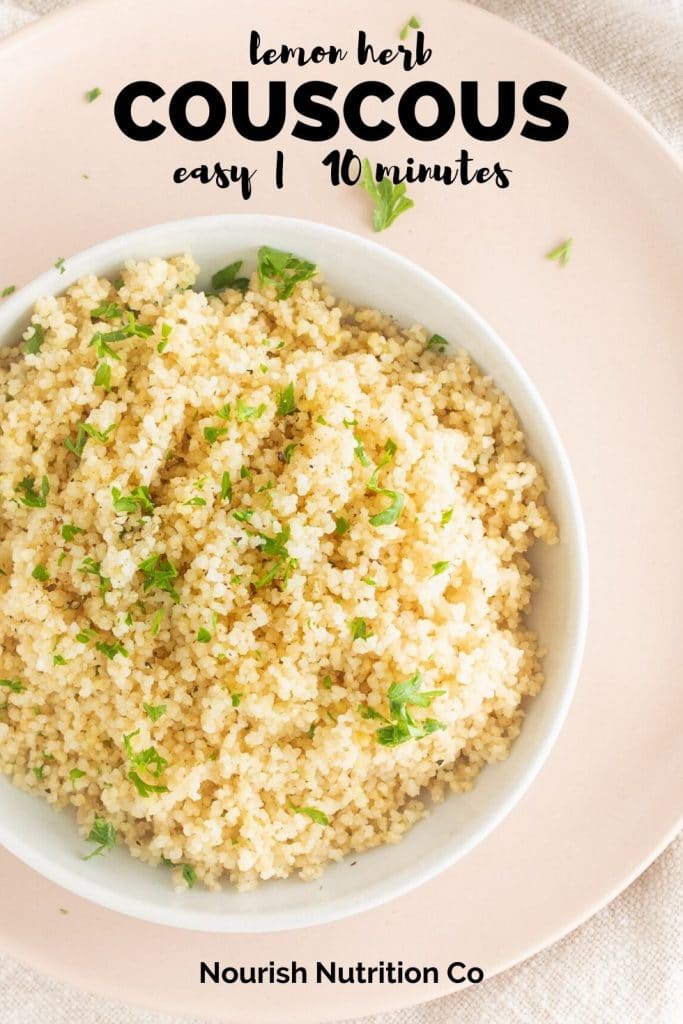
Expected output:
{"points": [[60, 265], [154, 711], [213, 434], [204, 636], [92, 94], [33, 343], [439, 568], [159, 574], [226, 487], [283, 269], [145, 789], [402, 726], [227, 278], [189, 875], [319, 817], [89, 565], [41, 573], [249, 412], [561, 253], [437, 343], [341, 526], [446, 516], [13, 685], [9, 290], [359, 630], [32, 498], [111, 650], [286, 401], [288, 452], [103, 834], [69, 531], [411, 23], [126, 504], [390, 200], [106, 311], [103, 376]]}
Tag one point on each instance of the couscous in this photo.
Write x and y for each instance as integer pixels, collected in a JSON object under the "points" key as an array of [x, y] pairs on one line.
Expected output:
{"points": [[263, 568]]}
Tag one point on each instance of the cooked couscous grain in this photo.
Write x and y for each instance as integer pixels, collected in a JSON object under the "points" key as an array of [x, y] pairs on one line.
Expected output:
{"points": [[262, 570]]}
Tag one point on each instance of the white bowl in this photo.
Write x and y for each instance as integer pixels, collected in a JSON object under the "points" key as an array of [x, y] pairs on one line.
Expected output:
{"points": [[365, 273]]}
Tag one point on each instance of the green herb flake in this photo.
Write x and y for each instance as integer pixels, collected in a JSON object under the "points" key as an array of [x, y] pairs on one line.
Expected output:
{"points": [[103, 834], [196, 502], [437, 343], [159, 573], [33, 343], [359, 451], [103, 376], [284, 270], [224, 412], [85, 636], [438, 568], [157, 619], [9, 290], [288, 452], [390, 200], [213, 434], [58, 659], [154, 711], [359, 630], [446, 516], [226, 487], [127, 504], [561, 253], [227, 278], [319, 817], [90, 567], [411, 23], [236, 699], [341, 526], [41, 573], [243, 515], [327, 683], [203, 636], [145, 789], [286, 401], [74, 775], [390, 515], [401, 726], [369, 580], [246, 413], [92, 94], [13, 685], [245, 473], [111, 650], [106, 311], [189, 875], [32, 498], [60, 265], [69, 531]]}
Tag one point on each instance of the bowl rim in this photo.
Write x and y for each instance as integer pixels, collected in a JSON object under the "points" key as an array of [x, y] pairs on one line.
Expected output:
{"points": [[52, 282]]}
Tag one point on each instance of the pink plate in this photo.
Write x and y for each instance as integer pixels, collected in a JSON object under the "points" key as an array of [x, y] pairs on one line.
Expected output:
{"points": [[601, 338]]}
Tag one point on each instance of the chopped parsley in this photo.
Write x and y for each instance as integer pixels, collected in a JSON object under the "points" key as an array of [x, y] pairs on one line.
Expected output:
{"points": [[446, 516], [359, 451], [13, 685], [60, 265], [34, 342], [437, 343], [154, 711], [245, 473], [411, 23], [69, 531], [249, 412], [32, 498], [9, 290], [166, 331], [196, 501], [341, 526], [139, 498], [103, 376], [284, 270], [288, 452], [157, 619], [103, 834], [319, 817], [359, 630], [327, 683], [227, 278], [93, 568], [440, 567], [286, 401], [226, 487], [58, 659], [561, 253], [83, 432], [224, 412], [159, 574], [106, 311], [189, 875], [149, 761], [390, 200], [236, 699], [401, 726], [41, 573], [111, 650], [74, 775], [92, 94], [243, 515], [369, 580], [85, 636], [276, 547], [213, 434], [204, 636]]}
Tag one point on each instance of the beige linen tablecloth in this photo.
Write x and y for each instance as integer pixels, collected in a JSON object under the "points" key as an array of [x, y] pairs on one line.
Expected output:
{"points": [[625, 965]]}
